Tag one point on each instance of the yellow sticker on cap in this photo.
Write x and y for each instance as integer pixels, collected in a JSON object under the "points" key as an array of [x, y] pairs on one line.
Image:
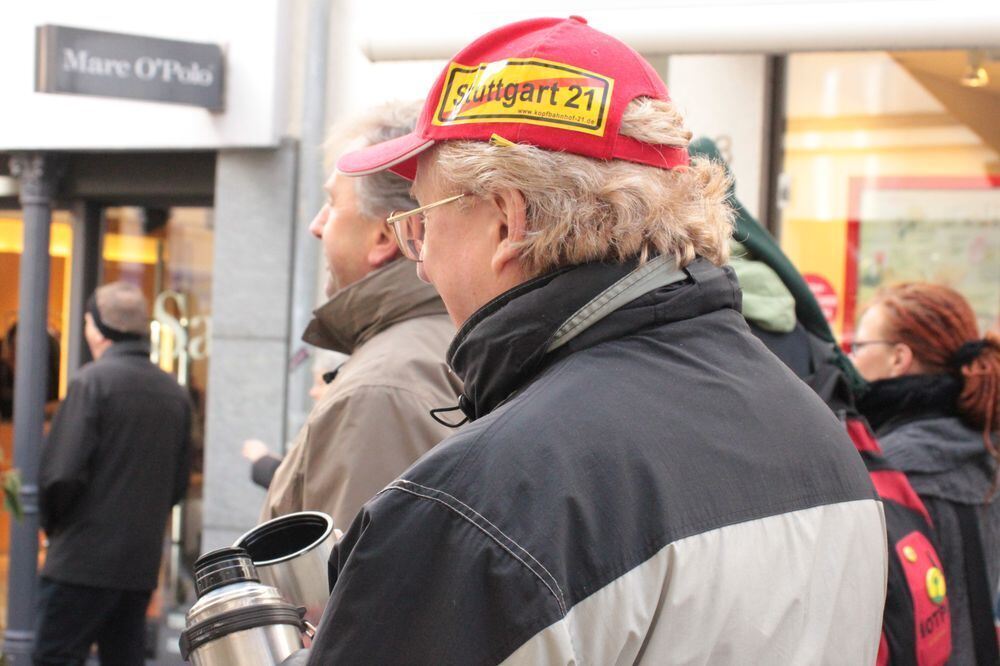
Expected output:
{"points": [[534, 91]]}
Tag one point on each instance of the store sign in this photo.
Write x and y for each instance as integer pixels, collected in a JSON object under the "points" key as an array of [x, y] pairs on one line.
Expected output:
{"points": [[175, 338], [108, 64]]}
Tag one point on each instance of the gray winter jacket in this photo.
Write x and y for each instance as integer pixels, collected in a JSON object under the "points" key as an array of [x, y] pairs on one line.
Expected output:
{"points": [[917, 421], [947, 465]]}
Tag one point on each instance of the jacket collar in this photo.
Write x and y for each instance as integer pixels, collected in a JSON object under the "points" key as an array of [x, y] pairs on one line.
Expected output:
{"points": [[358, 312], [512, 338], [891, 403], [127, 348]]}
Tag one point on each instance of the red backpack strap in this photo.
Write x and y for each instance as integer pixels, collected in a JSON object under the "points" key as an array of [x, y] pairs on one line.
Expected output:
{"points": [[861, 435], [917, 620], [889, 482], [883, 658]]}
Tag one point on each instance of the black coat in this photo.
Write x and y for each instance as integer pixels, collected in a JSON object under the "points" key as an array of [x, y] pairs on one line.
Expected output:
{"points": [[115, 461]]}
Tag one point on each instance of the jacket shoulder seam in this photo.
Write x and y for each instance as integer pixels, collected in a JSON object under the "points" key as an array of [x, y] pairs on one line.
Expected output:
{"points": [[339, 397], [483, 524]]}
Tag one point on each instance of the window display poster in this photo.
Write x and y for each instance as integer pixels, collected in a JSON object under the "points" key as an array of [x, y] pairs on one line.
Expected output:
{"points": [[940, 230]]}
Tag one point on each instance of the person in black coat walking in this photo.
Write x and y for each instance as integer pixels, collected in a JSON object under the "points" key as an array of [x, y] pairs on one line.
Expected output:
{"points": [[117, 458]]}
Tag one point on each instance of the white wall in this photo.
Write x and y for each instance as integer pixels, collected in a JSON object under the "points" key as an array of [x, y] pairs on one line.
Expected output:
{"points": [[724, 98], [356, 83], [255, 36], [427, 30]]}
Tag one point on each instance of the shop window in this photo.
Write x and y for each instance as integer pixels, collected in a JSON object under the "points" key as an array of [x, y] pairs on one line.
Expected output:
{"points": [[892, 165], [166, 252]]}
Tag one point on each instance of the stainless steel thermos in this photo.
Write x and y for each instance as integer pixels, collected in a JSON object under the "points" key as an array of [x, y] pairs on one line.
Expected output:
{"points": [[237, 620], [291, 553]]}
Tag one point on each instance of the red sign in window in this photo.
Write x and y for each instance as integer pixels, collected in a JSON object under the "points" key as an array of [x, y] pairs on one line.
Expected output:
{"points": [[825, 295]]}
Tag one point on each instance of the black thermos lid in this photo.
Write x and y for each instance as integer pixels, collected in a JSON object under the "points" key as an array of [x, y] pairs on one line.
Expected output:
{"points": [[224, 566]]}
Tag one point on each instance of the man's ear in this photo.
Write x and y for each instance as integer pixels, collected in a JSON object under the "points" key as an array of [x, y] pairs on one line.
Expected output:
{"points": [[383, 248], [511, 229]]}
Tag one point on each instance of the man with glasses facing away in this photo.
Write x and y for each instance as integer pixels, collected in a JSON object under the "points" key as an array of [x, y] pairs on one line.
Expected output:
{"points": [[641, 481], [373, 419]]}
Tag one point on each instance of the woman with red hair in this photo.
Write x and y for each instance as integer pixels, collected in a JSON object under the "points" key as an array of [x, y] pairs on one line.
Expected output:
{"points": [[933, 401]]}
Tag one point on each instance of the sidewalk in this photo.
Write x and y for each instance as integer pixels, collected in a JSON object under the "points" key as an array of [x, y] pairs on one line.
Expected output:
{"points": [[166, 634]]}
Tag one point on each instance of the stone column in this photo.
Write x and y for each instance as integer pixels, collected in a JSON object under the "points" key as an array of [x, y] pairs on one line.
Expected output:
{"points": [[251, 292], [39, 175]]}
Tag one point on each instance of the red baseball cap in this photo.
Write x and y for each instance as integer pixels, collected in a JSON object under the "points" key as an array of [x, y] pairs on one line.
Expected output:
{"points": [[553, 83]]}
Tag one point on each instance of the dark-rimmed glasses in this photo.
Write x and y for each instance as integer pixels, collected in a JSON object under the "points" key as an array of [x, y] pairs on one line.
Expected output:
{"points": [[857, 345]]}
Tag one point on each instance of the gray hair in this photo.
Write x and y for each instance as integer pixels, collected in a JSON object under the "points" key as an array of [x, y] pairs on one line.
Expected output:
{"points": [[581, 209], [123, 307], [381, 193]]}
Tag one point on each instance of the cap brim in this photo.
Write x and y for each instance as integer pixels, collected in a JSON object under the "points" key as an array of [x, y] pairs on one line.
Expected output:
{"points": [[398, 155]]}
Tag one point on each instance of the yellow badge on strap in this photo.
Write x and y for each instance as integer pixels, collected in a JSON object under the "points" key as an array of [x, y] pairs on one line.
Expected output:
{"points": [[936, 588], [534, 91]]}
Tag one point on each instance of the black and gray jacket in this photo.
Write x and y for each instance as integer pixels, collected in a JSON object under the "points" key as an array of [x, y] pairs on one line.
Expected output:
{"points": [[642, 482]]}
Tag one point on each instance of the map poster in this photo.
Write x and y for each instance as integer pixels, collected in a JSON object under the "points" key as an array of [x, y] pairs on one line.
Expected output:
{"points": [[943, 230]]}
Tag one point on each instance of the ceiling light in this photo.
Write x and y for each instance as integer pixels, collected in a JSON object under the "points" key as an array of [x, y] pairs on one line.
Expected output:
{"points": [[975, 75]]}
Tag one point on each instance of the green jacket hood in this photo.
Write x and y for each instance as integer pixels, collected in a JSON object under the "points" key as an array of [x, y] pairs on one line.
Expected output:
{"points": [[767, 303]]}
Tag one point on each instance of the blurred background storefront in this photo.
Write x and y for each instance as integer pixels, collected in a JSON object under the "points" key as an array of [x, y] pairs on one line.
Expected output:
{"points": [[168, 253], [205, 206], [892, 173]]}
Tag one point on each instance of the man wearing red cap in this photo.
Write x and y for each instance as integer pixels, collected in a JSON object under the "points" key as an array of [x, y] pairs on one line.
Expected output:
{"points": [[640, 480]]}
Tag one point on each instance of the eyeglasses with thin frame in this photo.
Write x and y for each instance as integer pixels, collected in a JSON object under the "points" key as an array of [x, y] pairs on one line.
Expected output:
{"points": [[408, 227], [857, 345]]}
